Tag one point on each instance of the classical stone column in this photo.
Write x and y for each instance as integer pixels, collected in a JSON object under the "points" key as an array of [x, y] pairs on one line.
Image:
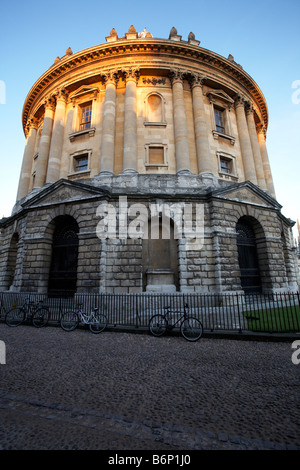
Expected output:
{"points": [[44, 147], [108, 125], [130, 122], [180, 124], [57, 138], [27, 160], [265, 160], [201, 130], [255, 148], [245, 143]]}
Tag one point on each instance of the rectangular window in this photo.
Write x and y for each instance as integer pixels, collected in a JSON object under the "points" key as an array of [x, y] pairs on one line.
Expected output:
{"points": [[219, 119], [81, 163], [86, 117], [156, 156], [225, 165]]}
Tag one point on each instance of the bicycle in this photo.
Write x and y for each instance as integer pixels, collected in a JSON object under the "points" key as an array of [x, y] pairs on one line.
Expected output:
{"points": [[190, 327], [34, 311], [70, 320]]}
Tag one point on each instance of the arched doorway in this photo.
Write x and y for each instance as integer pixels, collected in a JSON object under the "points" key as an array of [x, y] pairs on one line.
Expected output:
{"points": [[248, 257], [63, 269]]}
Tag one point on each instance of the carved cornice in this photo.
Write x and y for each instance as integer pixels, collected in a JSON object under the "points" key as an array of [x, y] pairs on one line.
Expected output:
{"points": [[142, 51]]}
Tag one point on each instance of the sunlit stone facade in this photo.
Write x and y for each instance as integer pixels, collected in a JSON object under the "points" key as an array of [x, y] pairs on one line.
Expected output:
{"points": [[156, 122]]}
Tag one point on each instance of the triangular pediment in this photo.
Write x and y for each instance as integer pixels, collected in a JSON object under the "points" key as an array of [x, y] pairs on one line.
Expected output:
{"points": [[221, 95], [83, 90], [247, 193], [64, 191]]}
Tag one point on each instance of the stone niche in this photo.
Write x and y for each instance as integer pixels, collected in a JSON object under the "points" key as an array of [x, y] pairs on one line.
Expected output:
{"points": [[160, 280]]}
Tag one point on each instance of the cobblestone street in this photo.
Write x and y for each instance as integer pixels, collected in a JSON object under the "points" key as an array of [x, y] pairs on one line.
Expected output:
{"points": [[126, 391]]}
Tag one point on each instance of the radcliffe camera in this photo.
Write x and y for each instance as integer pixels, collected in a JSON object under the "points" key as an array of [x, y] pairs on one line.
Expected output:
{"points": [[160, 133]]}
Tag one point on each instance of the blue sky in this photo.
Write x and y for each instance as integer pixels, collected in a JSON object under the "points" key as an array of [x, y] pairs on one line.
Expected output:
{"points": [[262, 35]]}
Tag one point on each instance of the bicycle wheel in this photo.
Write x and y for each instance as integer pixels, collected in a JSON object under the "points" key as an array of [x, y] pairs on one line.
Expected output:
{"points": [[40, 317], [191, 329], [158, 325], [69, 321], [15, 316], [99, 323]]}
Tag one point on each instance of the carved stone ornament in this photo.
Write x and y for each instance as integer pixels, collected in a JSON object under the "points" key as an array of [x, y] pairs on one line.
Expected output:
{"points": [[154, 81]]}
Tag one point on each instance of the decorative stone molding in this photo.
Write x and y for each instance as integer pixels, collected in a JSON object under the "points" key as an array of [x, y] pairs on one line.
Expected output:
{"points": [[154, 81]]}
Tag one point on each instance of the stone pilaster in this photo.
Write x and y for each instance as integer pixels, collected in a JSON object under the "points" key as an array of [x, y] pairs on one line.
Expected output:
{"points": [[57, 138], [27, 160], [245, 143], [130, 122], [201, 130], [255, 148], [261, 135], [44, 146], [108, 125], [180, 123]]}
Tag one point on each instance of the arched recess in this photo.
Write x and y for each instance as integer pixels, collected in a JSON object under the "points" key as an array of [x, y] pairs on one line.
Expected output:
{"points": [[154, 108], [64, 258], [160, 256], [252, 255]]}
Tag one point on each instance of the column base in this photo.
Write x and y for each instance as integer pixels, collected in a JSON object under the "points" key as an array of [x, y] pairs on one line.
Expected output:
{"points": [[105, 173], [184, 172], [208, 179], [129, 171]]}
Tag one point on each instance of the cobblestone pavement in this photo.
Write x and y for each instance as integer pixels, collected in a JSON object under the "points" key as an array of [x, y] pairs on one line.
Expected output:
{"points": [[126, 391]]}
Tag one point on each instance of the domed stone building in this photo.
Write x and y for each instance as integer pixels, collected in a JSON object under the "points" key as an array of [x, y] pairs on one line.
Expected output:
{"points": [[146, 169]]}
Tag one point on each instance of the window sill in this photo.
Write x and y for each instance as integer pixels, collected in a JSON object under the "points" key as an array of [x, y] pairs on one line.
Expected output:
{"points": [[90, 132], [148, 123], [79, 174], [217, 134], [228, 176], [155, 165]]}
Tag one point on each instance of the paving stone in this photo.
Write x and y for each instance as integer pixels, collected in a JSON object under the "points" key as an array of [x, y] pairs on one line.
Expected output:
{"points": [[134, 392]]}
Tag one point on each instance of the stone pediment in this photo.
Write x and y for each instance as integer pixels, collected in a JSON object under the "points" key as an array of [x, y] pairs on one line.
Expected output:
{"points": [[247, 193], [64, 191]]}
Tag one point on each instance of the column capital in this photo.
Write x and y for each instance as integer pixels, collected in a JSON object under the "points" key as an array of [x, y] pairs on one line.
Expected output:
{"points": [[61, 94], [49, 103], [249, 107], [196, 79], [261, 129], [240, 100], [111, 76], [176, 75], [32, 123], [131, 74]]}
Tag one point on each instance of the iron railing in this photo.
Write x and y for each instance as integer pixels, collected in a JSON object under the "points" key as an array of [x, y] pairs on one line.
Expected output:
{"points": [[273, 313]]}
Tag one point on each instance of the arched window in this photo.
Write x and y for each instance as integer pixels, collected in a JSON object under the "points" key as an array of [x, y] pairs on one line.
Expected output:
{"points": [[248, 258], [63, 270]]}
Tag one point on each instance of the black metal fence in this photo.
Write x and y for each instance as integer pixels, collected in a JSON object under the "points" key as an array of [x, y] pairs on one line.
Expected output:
{"points": [[218, 312]]}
